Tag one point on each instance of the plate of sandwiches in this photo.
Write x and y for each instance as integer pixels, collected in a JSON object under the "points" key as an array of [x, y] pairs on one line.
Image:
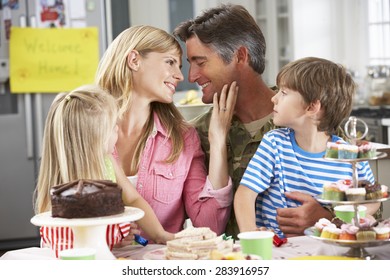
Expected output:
{"points": [[195, 243]]}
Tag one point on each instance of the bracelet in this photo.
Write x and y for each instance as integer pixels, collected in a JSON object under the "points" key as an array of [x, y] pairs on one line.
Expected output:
{"points": [[330, 209]]}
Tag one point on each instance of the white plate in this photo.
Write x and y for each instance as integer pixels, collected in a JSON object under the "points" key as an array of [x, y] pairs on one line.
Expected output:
{"points": [[129, 215], [157, 254]]}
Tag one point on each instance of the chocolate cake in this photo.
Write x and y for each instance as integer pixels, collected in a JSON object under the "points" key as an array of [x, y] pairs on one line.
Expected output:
{"points": [[86, 199], [373, 191]]}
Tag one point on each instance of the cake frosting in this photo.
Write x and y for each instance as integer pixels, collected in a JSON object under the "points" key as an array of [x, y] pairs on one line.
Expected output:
{"points": [[86, 199]]}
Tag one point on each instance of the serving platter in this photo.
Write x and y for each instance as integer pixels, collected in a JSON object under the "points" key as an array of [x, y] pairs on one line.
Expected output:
{"points": [[378, 155], [356, 246], [348, 202], [90, 232]]}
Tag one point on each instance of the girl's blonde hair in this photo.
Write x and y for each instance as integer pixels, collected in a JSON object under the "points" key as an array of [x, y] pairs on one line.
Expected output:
{"points": [[75, 141], [115, 76]]}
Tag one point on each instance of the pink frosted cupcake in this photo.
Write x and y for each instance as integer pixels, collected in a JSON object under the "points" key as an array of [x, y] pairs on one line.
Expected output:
{"points": [[385, 191], [323, 222], [348, 232], [366, 149], [344, 185], [385, 223], [364, 223]]}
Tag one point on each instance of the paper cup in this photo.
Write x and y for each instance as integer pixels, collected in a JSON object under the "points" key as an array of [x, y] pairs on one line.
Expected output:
{"points": [[257, 243], [347, 212], [78, 254]]}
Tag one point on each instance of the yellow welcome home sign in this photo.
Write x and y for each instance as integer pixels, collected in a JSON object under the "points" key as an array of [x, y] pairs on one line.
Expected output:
{"points": [[51, 60]]}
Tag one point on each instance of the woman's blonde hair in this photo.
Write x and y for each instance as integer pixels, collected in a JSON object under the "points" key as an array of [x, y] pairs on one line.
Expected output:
{"points": [[75, 140], [115, 76]]}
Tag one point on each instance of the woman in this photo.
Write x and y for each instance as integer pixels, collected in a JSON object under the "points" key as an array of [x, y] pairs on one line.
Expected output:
{"points": [[141, 69]]}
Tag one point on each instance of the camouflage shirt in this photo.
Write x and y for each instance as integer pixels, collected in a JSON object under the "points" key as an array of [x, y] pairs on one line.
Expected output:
{"points": [[241, 146]]}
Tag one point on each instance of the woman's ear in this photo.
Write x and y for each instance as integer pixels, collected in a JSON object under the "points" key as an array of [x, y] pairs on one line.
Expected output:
{"points": [[133, 59]]}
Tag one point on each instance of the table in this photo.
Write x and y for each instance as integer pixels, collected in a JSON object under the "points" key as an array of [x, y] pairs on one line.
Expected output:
{"points": [[300, 246]]}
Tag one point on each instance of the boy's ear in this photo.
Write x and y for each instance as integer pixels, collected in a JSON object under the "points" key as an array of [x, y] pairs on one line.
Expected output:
{"points": [[133, 59], [314, 108]]}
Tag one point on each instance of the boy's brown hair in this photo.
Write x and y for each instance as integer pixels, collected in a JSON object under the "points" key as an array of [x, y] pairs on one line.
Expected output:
{"points": [[318, 79]]}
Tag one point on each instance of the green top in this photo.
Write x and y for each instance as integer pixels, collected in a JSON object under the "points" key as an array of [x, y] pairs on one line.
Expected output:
{"points": [[110, 173]]}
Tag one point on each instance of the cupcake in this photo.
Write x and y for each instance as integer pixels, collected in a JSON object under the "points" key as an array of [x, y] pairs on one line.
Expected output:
{"points": [[348, 232], [348, 151], [323, 222], [355, 194], [330, 232], [382, 233], [331, 191], [343, 185], [365, 223], [385, 191], [366, 149], [332, 150], [366, 235], [373, 191], [385, 223]]}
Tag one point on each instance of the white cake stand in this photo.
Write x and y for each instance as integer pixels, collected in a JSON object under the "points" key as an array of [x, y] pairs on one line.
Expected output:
{"points": [[90, 232]]}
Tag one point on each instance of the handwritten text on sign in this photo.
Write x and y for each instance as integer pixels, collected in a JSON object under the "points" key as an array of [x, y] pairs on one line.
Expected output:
{"points": [[52, 59]]}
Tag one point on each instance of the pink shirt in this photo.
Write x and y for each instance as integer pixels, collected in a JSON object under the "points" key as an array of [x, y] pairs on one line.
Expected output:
{"points": [[181, 189]]}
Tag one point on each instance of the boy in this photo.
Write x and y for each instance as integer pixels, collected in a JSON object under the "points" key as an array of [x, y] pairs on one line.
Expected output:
{"points": [[315, 96]]}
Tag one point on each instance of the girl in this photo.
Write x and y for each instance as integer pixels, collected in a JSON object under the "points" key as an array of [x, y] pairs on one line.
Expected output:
{"points": [[79, 138]]}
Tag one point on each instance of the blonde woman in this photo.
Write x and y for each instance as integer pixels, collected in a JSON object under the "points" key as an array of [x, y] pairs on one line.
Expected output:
{"points": [[79, 138], [141, 69]]}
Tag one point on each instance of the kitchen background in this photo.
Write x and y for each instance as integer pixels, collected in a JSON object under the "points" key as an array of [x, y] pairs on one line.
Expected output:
{"points": [[355, 33]]}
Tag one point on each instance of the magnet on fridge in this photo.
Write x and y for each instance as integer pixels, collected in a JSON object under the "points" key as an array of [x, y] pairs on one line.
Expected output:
{"points": [[90, 5]]}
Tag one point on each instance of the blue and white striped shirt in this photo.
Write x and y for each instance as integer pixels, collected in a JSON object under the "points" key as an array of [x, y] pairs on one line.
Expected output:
{"points": [[280, 165]]}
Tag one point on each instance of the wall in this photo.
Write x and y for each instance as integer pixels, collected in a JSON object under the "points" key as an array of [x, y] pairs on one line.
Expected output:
{"points": [[150, 12], [204, 4], [312, 30], [381, 169], [331, 29]]}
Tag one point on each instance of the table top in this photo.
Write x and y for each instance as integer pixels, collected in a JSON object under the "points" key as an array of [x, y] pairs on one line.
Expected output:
{"points": [[296, 247]]}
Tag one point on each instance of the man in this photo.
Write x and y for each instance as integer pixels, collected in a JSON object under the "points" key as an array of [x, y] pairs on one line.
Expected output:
{"points": [[225, 44]]}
